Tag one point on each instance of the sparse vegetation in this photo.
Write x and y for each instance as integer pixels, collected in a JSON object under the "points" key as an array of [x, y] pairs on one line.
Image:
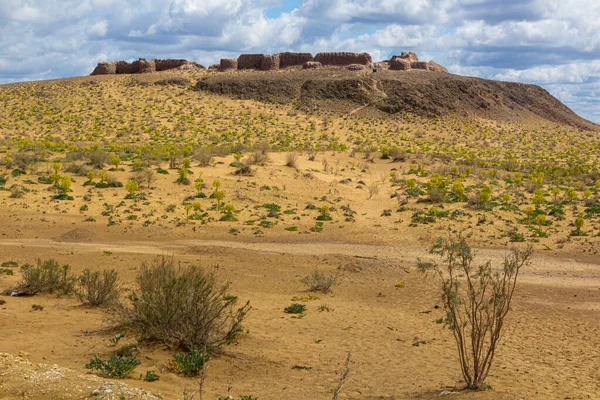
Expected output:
{"points": [[186, 307], [476, 301]]}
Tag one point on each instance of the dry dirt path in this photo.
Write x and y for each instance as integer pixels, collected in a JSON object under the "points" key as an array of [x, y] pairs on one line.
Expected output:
{"points": [[546, 269]]}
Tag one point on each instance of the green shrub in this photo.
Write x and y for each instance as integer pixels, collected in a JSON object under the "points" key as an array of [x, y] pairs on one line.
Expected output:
{"points": [[115, 366], [191, 363], [150, 376], [46, 277], [183, 306], [295, 308], [96, 289]]}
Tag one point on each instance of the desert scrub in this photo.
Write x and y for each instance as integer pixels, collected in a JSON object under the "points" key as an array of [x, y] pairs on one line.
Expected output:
{"points": [[319, 281], [186, 307], [476, 300], [295, 308], [115, 366], [46, 277], [191, 363], [95, 288]]}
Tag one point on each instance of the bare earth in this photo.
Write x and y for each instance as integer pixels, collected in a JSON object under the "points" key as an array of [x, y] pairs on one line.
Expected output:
{"points": [[398, 351], [549, 349]]}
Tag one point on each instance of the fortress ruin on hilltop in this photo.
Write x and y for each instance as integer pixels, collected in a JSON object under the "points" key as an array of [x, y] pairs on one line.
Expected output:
{"points": [[273, 62]]}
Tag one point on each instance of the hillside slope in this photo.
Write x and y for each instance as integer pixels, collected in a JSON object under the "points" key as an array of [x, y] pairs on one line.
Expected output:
{"points": [[419, 92]]}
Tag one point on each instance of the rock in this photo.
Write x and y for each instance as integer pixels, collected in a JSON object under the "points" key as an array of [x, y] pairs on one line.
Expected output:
{"points": [[420, 65], [215, 66], [105, 68], [355, 67], [410, 56], [270, 63], [289, 59], [147, 66], [382, 65], [399, 64], [311, 65], [123, 67], [250, 61], [228, 64], [433, 66], [164, 65], [343, 59]]}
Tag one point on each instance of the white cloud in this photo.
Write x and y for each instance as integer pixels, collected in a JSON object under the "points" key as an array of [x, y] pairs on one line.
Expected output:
{"points": [[555, 43]]}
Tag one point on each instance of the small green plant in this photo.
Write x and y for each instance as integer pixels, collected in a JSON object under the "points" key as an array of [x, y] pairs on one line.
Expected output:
{"points": [[191, 363], [115, 366], [115, 339], [295, 308], [150, 376], [324, 213]]}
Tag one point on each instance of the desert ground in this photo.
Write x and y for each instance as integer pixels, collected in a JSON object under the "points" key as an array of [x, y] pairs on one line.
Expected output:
{"points": [[377, 176]]}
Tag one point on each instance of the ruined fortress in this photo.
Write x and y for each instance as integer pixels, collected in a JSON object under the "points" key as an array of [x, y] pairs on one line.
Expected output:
{"points": [[273, 62]]}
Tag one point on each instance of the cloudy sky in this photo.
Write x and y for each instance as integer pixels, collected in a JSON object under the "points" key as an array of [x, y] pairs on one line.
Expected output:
{"points": [[553, 43]]}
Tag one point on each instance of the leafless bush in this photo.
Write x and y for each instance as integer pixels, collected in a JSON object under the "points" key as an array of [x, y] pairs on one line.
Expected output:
{"points": [[373, 189], [79, 169], [145, 177], [98, 158], [291, 160], [203, 156], [260, 155], [476, 301], [182, 306], [23, 160], [96, 289], [319, 281]]}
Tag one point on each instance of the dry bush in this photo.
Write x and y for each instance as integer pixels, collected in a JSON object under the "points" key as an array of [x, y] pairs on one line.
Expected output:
{"points": [[23, 160], [96, 289], [373, 189], [203, 156], [476, 300], [46, 277], [318, 281], [260, 155], [145, 177], [98, 158], [291, 160], [186, 307], [79, 169]]}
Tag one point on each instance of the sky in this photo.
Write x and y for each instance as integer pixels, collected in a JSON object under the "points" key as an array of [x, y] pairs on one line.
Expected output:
{"points": [[551, 43]]}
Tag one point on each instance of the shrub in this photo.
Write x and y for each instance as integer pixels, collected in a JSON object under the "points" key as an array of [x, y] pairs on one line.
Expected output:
{"points": [[295, 308], [96, 289], [150, 376], [182, 306], [319, 281], [115, 366], [191, 363], [476, 301], [46, 277], [98, 158], [204, 157], [291, 160]]}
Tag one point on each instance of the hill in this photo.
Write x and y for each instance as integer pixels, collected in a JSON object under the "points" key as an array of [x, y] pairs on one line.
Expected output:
{"points": [[423, 93]]}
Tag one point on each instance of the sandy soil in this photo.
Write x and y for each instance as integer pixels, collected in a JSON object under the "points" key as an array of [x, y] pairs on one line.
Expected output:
{"points": [[553, 327]]}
